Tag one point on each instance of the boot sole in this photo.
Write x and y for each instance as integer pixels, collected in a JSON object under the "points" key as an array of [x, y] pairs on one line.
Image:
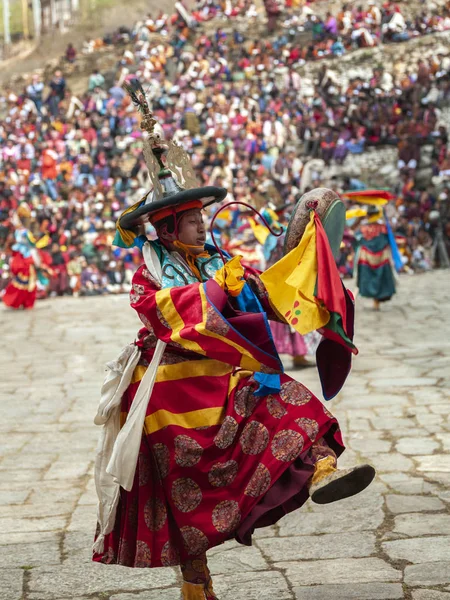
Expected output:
{"points": [[346, 486]]}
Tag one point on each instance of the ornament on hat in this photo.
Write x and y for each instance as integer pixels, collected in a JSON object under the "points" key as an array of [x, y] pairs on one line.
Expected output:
{"points": [[174, 186]]}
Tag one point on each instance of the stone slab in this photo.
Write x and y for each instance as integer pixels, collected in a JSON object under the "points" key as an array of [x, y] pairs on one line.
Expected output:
{"points": [[434, 573], [312, 519], [163, 594], [10, 525], [397, 503], [434, 463], [252, 586], [222, 560], [430, 595], [419, 550], [416, 445], [12, 497], [403, 483], [54, 583], [358, 591], [33, 554], [418, 524], [404, 382], [393, 461], [342, 545], [11, 587], [342, 570], [367, 447]]}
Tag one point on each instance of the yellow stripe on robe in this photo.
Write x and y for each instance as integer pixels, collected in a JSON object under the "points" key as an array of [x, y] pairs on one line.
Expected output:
{"points": [[169, 312], [247, 360], [236, 378], [185, 369], [205, 417]]}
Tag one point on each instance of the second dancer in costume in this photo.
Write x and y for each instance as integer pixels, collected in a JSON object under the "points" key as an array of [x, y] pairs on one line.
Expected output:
{"points": [[21, 291], [374, 262]]}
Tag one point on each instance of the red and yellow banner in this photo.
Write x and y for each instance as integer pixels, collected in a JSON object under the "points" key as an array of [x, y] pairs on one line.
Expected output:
{"points": [[291, 284]]}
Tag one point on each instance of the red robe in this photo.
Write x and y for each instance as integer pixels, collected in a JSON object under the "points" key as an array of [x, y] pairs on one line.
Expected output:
{"points": [[21, 291], [216, 460]]}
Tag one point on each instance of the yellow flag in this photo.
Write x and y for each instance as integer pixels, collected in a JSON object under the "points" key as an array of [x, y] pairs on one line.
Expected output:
{"points": [[355, 213], [260, 232], [373, 201], [291, 284]]}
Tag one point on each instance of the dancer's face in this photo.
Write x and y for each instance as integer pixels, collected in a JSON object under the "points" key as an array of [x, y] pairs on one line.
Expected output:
{"points": [[191, 229]]}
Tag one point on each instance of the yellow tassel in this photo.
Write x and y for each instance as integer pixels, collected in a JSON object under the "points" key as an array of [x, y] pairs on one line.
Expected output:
{"points": [[323, 468], [193, 591]]}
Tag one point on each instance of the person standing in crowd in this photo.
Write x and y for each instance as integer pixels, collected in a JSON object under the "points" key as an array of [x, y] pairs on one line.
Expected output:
{"points": [[49, 168], [35, 91], [59, 282], [57, 92], [96, 80]]}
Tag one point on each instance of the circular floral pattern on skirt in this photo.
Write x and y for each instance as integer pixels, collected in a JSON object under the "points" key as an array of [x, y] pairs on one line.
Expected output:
{"points": [[162, 457], [195, 541], [226, 516], [295, 393], [287, 445], [259, 483], [186, 494], [245, 401], [169, 555], [187, 451], [222, 474], [144, 469], [143, 555], [274, 407], [226, 434], [254, 438], [309, 426], [155, 514]]}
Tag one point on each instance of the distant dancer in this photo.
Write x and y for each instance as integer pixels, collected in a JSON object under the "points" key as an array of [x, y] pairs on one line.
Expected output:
{"points": [[21, 291], [374, 263]]}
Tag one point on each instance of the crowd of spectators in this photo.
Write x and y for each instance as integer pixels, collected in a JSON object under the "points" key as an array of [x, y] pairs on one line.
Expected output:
{"points": [[70, 164]]}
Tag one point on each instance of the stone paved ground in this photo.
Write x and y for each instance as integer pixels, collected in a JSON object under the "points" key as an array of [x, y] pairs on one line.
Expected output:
{"points": [[391, 542]]}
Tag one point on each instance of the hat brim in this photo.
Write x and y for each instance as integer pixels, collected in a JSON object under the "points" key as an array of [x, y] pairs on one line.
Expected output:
{"points": [[209, 195]]}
